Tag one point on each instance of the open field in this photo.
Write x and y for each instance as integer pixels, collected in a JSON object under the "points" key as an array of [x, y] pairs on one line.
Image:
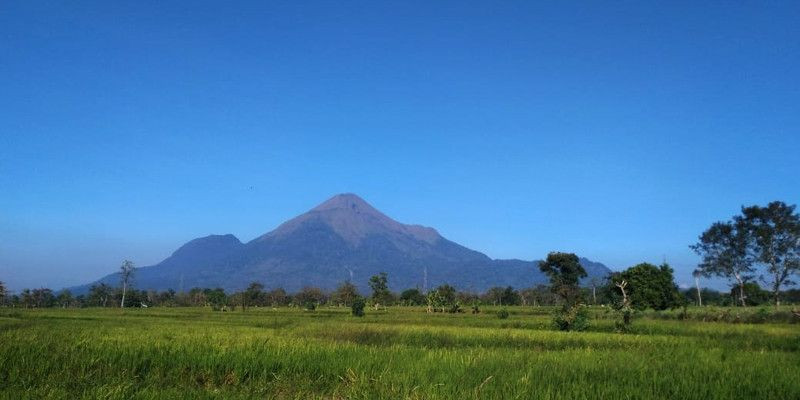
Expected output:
{"points": [[397, 353]]}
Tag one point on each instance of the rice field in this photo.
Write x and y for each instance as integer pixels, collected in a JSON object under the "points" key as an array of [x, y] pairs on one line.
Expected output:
{"points": [[398, 353]]}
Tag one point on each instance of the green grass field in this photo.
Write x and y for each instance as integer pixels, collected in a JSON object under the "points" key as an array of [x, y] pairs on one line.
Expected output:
{"points": [[392, 354]]}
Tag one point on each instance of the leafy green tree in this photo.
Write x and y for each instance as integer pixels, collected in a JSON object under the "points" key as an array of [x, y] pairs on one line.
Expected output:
{"points": [[309, 295], [3, 293], [278, 297], [43, 297], [775, 241], [448, 294], [380, 288], [99, 295], [565, 272], [65, 298], [724, 251], [753, 293], [216, 298], [412, 297], [254, 294], [650, 286], [346, 294]]}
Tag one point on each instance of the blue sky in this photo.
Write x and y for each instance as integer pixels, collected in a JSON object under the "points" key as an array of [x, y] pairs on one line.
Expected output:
{"points": [[618, 132]]}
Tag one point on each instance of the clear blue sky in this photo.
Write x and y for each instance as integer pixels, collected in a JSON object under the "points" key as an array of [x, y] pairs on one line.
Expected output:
{"points": [[618, 132]]}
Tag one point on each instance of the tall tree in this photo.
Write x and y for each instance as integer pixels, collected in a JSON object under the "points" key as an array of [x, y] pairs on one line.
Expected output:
{"points": [[565, 272], [126, 272], [724, 251], [775, 241], [380, 288], [2, 292]]}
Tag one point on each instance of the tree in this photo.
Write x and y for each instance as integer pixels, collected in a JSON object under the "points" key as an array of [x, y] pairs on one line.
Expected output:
{"points": [[277, 297], [412, 297], [346, 294], [774, 233], [565, 272], [3, 293], [126, 272], [65, 298], [753, 293], [380, 288], [253, 294], [309, 295], [43, 297], [448, 294], [650, 286], [99, 295], [724, 251], [216, 297]]}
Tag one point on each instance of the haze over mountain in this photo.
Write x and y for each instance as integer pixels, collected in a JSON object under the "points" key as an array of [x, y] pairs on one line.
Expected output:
{"points": [[342, 239]]}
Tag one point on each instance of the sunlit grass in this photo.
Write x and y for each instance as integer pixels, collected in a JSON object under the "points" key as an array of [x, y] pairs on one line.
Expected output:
{"points": [[397, 353]]}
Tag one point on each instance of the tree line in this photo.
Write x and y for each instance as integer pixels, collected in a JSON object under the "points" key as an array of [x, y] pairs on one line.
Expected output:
{"points": [[650, 286]]}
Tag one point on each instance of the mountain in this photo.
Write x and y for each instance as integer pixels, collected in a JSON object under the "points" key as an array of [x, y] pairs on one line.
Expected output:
{"points": [[343, 238]]}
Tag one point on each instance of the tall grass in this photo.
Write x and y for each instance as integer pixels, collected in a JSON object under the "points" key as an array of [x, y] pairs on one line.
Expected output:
{"points": [[398, 353]]}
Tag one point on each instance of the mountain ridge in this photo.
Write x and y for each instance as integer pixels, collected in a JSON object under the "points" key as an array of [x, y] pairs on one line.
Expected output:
{"points": [[343, 238]]}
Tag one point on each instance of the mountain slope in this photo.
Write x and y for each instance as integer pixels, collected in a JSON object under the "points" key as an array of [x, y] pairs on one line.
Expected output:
{"points": [[343, 238]]}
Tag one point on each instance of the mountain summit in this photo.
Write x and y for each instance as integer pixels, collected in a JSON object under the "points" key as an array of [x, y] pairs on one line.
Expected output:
{"points": [[344, 238]]}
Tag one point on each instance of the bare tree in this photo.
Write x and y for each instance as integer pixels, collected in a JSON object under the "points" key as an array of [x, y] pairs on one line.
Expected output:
{"points": [[126, 276], [697, 286]]}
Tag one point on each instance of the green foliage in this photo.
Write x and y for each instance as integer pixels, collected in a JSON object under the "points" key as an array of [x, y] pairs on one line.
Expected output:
{"points": [[310, 306], [503, 313], [357, 309], [753, 294], [571, 318], [412, 297], [649, 287], [564, 271], [346, 294], [380, 288]]}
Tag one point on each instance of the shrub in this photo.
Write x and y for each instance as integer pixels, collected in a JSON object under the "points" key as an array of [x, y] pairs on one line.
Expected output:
{"points": [[455, 308], [358, 307], [503, 313], [574, 318], [311, 306], [475, 308]]}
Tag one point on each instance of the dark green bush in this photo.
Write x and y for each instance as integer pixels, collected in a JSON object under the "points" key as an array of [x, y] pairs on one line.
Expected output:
{"points": [[358, 307]]}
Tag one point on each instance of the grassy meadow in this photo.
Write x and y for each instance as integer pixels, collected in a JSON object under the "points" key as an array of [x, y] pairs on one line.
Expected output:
{"points": [[397, 353]]}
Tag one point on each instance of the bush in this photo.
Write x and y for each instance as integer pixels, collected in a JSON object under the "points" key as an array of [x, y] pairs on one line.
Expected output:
{"points": [[455, 308], [503, 313], [311, 306], [476, 309], [358, 307], [574, 318]]}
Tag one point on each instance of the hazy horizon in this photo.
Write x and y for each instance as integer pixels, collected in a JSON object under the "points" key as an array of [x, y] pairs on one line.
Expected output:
{"points": [[618, 133]]}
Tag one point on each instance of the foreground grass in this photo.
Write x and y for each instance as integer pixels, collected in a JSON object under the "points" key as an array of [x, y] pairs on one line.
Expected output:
{"points": [[399, 353]]}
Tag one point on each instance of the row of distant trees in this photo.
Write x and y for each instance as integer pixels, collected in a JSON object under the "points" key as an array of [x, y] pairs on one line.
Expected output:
{"points": [[649, 286]]}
